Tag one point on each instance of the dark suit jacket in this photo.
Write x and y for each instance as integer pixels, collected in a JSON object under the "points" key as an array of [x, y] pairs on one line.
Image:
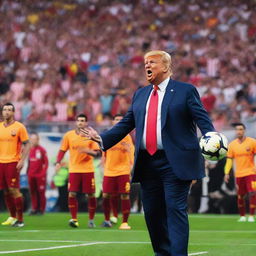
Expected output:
{"points": [[181, 111]]}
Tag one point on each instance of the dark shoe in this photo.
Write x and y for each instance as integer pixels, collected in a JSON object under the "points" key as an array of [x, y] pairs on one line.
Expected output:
{"points": [[73, 223], [32, 212], [18, 224], [106, 224], [91, 224]]}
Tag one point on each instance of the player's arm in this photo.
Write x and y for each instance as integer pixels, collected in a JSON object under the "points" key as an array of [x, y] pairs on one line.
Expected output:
{"points": [[25, 151], [45, 162], [227, 169], [60, 156], [91, 152]]}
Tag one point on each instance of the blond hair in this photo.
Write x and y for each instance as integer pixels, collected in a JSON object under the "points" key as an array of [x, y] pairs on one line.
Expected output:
{"points": [[165, 56]]}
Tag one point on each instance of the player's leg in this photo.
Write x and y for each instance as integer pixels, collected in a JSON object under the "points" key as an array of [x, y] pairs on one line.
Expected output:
{"points": [[88, 187], [41, 185], [114, 202], [33, 194], [10, 204], [251, 189], [18, 199], [108, 191], [106, 209], [9, 200], [74, 187], [241, 192], [13, 183], [124, 188]]}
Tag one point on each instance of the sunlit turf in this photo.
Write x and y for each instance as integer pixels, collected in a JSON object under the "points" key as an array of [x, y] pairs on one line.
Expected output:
{"points": [[50, 235]]}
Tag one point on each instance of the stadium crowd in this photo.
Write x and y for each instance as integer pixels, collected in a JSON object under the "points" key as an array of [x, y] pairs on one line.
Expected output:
{"points": [[58, 59]]}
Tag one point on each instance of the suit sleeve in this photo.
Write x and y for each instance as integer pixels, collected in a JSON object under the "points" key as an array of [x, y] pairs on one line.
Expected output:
{"points": [[199, 114], [120, 130]]}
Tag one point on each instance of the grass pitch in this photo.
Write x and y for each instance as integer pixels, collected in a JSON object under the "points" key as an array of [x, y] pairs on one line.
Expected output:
{"points": [[50, 235]]}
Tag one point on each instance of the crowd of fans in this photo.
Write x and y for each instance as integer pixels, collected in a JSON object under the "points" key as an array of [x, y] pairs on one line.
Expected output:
{"points": [[60, 58]]}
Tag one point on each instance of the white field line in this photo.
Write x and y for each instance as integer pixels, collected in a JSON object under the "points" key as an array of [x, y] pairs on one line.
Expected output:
{"points": [[131, 242], [121, 231], [197, 253], [81, 245]]}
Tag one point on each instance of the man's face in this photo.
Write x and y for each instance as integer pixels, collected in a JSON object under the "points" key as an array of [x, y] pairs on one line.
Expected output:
{"points": [[8, 112], [155, 69], [81, 122], [240, 131], [117, 119], [34, 139]]}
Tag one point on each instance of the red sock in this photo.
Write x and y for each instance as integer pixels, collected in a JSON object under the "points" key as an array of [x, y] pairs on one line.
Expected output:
{"points": [[91, 207], [114, 204], [241, 205], [73, 207], [252, 200], [106, 208], [10, 204], [19, 208], [126, 207]]}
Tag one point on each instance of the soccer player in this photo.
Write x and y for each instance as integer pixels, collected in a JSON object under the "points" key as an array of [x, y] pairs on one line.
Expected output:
{"points": [[242, 151], [37, 171], [14, 148], [81, 169], [118, 164]]}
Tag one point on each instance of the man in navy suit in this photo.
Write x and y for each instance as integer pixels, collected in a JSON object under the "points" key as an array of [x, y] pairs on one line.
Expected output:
{"points": [[167, 157]]}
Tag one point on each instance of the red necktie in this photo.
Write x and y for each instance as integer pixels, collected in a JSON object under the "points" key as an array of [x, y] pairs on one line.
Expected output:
{"points": [[151, 138]]}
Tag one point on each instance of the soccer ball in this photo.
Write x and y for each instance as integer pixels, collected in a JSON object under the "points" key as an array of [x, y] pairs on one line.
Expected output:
{"points": [[214, 146]]}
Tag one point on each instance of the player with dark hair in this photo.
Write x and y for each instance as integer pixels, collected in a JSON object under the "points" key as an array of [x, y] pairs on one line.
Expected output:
{"points": [[81, 169], [118, 162], [241, 151], [14, 149]]}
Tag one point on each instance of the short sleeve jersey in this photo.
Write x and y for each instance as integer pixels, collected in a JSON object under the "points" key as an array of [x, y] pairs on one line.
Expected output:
{"points": [[11, 139], [78, 162], [119, 159], [243, 155]]}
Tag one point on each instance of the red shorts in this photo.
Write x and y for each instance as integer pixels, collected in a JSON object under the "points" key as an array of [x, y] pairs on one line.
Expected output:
{"points": [[118, 184], [246, 184], [9, 176], [81, 182]]}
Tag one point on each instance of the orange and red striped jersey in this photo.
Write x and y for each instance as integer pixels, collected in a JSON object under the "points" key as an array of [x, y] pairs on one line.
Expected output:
{"points": [[78, 162], [11, 138]]}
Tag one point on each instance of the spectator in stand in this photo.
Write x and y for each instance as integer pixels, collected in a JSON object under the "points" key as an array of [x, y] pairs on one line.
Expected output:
{"points": [[37, 175], [208, 42], [118, 162]]}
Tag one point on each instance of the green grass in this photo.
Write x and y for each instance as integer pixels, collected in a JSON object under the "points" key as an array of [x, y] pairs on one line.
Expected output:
{"points": [[218, 235]]}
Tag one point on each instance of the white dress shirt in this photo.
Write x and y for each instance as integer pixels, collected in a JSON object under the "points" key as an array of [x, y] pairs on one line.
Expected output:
{"points": [[161, 91]]}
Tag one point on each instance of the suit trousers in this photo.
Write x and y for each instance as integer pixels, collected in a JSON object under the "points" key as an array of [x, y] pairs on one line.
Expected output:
{"points": [[164, 198]]}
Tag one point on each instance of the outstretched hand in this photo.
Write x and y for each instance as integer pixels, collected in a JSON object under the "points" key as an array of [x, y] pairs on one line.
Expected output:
{"points": [[91, 133]]}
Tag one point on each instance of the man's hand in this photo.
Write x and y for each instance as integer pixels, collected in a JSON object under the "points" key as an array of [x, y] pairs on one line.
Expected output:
{"points": [[57, 167], [226, 178], [91, 133], [19, 165]]}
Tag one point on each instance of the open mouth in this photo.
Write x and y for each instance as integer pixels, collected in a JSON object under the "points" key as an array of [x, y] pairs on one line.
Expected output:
{"points": [[149, 73]]}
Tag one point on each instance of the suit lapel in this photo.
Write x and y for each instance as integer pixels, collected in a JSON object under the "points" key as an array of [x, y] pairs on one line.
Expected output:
{"points": [[143, 103], [141, 113], [168, 96]]}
